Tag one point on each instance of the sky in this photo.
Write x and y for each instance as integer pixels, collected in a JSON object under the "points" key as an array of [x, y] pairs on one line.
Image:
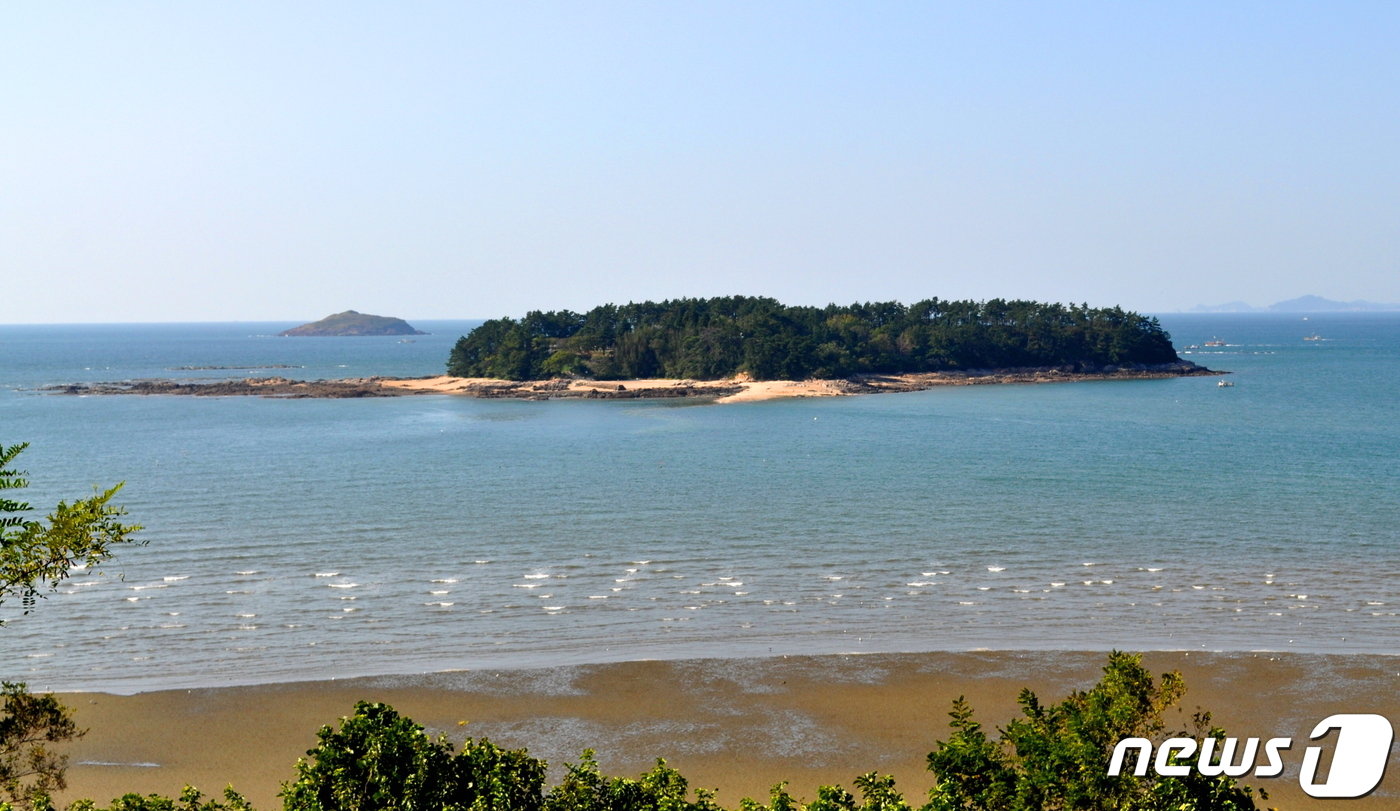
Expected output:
{"points": [[263, 161]]}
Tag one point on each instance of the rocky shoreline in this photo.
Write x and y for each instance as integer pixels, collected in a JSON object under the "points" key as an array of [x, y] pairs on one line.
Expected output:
{"points": [[565, 388], [872, 384], [251, 386]]}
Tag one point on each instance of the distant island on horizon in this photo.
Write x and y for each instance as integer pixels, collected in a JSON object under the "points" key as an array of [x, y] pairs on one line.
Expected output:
{"points": [[1302, 304], [352, 323]]}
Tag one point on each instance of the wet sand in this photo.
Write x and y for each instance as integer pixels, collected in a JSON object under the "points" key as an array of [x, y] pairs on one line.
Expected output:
{"points": [[738, 725]]}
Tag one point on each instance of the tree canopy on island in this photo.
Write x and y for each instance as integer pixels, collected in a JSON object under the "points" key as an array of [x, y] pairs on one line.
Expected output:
{"points": [[710, 339]]}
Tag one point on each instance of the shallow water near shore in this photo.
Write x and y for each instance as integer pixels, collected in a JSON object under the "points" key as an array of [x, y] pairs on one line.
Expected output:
{"points": [[298, 539]]}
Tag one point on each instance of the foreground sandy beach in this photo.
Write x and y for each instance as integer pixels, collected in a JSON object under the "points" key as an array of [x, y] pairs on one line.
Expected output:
{"points": [[738, 725]]}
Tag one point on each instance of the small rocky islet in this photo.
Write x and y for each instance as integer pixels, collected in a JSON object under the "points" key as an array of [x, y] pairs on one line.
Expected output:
{"points": [[352, 324]]}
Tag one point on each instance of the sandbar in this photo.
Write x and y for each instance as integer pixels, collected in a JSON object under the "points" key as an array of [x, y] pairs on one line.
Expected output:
{"points": [[736, 725], [744, 389]]}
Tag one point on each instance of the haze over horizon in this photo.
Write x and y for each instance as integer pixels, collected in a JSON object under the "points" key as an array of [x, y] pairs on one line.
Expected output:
{"points": [[1231, 307], [171, 162]]}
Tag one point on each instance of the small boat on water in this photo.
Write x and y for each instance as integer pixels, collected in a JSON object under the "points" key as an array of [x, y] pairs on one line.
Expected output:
{"points": [[1215, 342], [1313, 337], [1225, 384]]}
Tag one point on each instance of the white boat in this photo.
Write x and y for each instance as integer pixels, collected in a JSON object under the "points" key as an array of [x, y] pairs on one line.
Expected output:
{"points": [[1313, 337], [1225, 384]]}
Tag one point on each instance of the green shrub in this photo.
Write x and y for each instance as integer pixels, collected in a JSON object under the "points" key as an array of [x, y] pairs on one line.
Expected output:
{"points": [[30, 725], [381, 761], [190, 800], [877, 794], [1057, 756], [584, 788]]}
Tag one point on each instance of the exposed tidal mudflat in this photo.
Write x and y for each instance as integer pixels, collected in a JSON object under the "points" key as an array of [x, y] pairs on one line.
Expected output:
{"points": [[736, 725]]}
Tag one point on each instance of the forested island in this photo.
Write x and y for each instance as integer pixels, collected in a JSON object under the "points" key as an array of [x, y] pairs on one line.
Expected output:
{"points": [[716, 338], [738, 349]]}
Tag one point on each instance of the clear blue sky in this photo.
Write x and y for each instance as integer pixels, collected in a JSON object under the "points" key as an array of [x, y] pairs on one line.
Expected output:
{"points": [[175, 161]]}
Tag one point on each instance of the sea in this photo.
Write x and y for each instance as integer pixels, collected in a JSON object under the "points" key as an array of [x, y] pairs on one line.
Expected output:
{"points": [[294, 539]]}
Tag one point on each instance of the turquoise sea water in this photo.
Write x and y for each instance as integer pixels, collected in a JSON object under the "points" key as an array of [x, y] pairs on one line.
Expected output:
{"points": [[294, 539]]}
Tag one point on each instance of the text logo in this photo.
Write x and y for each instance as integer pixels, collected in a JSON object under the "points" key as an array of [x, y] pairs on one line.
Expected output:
{"points": [[1358, 763]]}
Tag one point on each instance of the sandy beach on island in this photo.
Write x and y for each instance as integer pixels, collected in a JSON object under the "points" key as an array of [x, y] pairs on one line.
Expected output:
{"points": [[738, 725], [743, 389], [731, 390]]}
